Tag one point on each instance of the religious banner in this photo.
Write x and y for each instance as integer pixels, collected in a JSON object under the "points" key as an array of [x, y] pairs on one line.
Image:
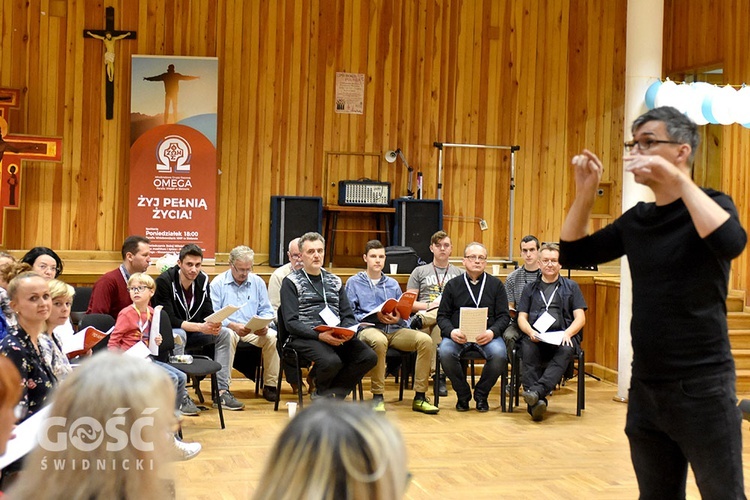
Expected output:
{"points": [[173, 152], [14, 149]]}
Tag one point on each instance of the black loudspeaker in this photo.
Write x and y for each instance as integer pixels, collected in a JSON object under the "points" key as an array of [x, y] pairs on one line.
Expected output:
{"points": [[291, 217], [415, 223]]}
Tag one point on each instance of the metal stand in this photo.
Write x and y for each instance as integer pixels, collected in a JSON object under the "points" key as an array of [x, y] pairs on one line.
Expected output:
{"points": [[512, 149]]}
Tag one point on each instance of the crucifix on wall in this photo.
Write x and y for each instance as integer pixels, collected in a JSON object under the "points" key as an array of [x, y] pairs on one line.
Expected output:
{"points": [[14, 149], [109, 35]]}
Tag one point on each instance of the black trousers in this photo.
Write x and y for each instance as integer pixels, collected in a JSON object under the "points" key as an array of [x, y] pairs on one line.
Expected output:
{"points": [[337, 369]]}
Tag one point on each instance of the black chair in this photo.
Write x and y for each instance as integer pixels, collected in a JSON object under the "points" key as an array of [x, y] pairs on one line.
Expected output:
{"points": [[406, 361], [80, 305], [577, 365], [102, 322], [470, 356], [201, 367], [288, 356], [248, 360]]}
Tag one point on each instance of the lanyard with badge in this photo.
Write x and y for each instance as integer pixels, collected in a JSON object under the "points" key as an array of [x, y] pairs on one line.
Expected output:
{"points": [[546, 320], [327, 315], [478, 299], [143, 325]]}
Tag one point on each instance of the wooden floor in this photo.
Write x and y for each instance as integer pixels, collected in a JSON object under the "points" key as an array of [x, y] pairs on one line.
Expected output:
{"points": [[451, 455]]}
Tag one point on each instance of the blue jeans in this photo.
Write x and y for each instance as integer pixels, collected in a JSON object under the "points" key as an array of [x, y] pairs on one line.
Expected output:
{"points": [[226, 345], [693, 420], [179, 380], [495, 356]]}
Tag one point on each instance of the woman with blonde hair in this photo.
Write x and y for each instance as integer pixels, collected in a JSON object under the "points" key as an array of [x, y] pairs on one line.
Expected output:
{"points": [[336, 450], [30, 301], [126, 404], [50, 344]]}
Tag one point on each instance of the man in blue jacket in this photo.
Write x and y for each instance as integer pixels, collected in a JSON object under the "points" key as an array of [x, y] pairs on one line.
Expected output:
{"points": [[369, 289]]}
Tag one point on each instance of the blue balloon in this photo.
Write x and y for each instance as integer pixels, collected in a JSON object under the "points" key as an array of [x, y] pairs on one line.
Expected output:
{"points": [[706, 107], [651, 94]]}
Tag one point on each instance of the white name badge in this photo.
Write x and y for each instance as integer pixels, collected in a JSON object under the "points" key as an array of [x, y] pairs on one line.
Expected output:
{"points": [[329, 318], [543, 322]]}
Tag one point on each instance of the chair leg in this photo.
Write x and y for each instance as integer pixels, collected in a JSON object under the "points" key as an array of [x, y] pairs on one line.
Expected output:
{"points": [[503, 386], [197, 388], [581, 383], [436, 379], [278, 390], [300, 401], [404, 370], [217, 398], [473, 378], [259, 377]]}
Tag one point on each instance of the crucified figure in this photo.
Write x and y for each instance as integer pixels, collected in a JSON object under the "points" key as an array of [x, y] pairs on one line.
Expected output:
{"points": [[109, 50]]}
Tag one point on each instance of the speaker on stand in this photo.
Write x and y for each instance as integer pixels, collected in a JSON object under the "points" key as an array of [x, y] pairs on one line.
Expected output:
{"points": [[291, 217], [415, 223]]}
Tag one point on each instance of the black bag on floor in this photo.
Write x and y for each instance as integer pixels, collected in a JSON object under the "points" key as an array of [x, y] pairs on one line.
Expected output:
{"points": [[406, 258]]}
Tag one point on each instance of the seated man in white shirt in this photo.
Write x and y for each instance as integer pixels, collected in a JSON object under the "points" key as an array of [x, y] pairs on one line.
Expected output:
{"points": [[238, 286]]}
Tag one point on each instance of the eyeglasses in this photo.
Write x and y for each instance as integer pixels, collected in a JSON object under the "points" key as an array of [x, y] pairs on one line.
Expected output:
{"points": [[138, 289], [242, 271], [644, 144], [295, 256], [548, 262], [476, 258], [44, 267]]}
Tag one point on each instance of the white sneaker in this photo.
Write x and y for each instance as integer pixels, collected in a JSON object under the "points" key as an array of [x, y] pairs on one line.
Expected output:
{"points": [[186, 451]]}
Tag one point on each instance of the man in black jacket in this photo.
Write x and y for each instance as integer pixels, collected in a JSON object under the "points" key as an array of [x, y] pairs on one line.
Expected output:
{"points": [[473, 289], [184, 293], [553, 306]]}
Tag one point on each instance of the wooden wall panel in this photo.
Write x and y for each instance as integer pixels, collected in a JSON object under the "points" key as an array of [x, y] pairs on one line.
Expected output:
{"points": [[717, 35], [546, 76]]}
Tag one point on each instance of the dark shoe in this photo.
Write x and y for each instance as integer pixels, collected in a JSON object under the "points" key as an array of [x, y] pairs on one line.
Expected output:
{"points": [[416, 324], [442, 389], [482, 405], [537, 411], [462, 405], [270, 394], [530, 397]]}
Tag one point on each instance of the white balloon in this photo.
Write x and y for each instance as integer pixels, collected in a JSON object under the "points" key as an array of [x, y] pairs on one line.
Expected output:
{"points": [[695, 107], [683, 97], [666, 95], [724, 104], [742, 106]]}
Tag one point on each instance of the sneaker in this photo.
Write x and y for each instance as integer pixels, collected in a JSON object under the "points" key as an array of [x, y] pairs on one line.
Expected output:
{"points": [[270, 393], [187, 407], [186, 451], [378, 404], [229, 402], [424, 406]]}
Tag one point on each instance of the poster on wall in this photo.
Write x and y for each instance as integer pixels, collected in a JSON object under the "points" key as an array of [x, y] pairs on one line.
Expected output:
{"points": [[173, 116], [350, 93]]}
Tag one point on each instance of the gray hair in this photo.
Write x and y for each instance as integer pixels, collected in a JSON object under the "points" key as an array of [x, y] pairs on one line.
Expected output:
{"points": [[241, 253], [311, 236], [679, 127]]}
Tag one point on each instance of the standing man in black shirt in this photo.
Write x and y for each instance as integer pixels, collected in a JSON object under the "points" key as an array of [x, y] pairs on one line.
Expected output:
{"points": [[682, 405]]}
